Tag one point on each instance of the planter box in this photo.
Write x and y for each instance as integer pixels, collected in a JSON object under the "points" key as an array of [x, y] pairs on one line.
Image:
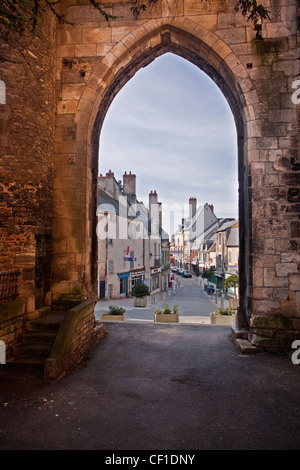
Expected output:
{"points": [[108, 317], [140, 301], [167, 317], [217, 319]]}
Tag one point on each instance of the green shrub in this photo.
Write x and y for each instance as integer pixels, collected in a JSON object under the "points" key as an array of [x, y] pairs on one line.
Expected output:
{"points": [[157, 310], [226, 311], [166, 309], [140, 290], [175, 309], [114, 310]]}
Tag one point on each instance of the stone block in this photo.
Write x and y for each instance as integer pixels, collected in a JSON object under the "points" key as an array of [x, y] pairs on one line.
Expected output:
{"points": [[221, 49], [72, 92], [67, 35], [294, 282], [268, 343], [284, 269], [30, 304], [65, 50], [95, 35], [11, 310], [85, 50]]}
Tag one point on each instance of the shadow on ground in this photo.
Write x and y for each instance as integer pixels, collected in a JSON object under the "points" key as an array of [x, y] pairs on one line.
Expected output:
{"points": [[166, 387]]}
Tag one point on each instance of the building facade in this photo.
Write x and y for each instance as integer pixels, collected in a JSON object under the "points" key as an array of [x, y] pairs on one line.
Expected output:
{"points": [[132, 246]]}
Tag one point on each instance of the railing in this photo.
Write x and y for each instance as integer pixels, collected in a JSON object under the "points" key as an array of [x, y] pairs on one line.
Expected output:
{"points": [[8, 286]]}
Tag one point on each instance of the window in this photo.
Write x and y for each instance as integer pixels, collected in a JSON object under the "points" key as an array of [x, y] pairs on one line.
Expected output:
{"points": [[122, 286], [111, 266]]}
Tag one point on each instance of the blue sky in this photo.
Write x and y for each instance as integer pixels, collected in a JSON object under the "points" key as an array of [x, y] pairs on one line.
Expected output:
{"points": [[172, 127]]}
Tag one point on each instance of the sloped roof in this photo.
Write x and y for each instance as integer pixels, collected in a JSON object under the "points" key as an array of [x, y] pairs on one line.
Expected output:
{"points": [[233, 237], [226, 223]]}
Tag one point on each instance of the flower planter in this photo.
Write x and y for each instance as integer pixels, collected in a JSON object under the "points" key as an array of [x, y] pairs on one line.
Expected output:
{"points": [[108, 317], [140, 301], [166, 317], [217, 319]]}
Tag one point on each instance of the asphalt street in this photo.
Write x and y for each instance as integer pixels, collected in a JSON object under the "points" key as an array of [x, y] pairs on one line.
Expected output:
{"points": [[157, 387], [194, 304]]}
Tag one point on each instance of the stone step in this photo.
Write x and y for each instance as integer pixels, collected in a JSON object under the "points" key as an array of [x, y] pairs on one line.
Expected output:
{"points": [[48, 322], [36, 342], [246, 347], [32, 349], [41, 336], [29, 363]]}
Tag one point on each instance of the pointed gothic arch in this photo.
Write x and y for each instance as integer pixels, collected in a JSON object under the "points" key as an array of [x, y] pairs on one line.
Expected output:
{"points": [[205, 50]]}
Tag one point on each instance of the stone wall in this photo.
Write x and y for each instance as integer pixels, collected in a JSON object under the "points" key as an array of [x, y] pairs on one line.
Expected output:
{"points": [[26, 149], [78, 333], [11, 323]]}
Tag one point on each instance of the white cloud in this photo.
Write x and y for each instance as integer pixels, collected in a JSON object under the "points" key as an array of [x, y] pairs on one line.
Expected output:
{"points": [[173, 128]]}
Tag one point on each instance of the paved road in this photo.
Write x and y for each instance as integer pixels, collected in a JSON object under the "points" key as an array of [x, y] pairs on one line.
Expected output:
{"points": [[193, 303], [157, 387]]}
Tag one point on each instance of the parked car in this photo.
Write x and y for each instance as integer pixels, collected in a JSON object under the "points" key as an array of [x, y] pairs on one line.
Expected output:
{"points": [[210, 289], [180, 271], [174, 269], [186, 274]]}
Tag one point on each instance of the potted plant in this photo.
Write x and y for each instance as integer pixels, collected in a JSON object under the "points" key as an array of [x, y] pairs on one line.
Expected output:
{"points": [[224, 316], [140, 292], [166, 315], [114, 314]]}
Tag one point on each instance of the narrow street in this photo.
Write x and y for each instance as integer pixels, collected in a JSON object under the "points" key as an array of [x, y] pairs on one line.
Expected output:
{"points": [[194, 304]]}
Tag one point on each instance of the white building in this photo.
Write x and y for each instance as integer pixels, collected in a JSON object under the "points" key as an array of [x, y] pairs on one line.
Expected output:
{"points": [[192, 232], [129, 238]]}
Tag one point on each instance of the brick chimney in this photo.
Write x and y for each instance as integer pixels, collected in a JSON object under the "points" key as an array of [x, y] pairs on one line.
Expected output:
{"points": [[110, 174], [211, 207], [152, 198], [129, 183], [155, 213]]}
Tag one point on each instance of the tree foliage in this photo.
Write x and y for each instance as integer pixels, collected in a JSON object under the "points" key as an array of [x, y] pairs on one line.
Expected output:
{"points": [[231, 281], [252, 10]]}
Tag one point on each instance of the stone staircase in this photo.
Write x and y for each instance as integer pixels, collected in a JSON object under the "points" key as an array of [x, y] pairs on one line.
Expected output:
{"points": [[36, 341]]}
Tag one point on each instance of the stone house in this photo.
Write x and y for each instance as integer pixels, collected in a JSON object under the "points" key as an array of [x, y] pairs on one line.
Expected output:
{"points": [[186, 241], [227, 252], [129, 238]]}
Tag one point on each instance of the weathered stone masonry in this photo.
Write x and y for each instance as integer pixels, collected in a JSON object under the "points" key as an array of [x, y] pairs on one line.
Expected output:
{"points": [[26, 146], [49, 184]]}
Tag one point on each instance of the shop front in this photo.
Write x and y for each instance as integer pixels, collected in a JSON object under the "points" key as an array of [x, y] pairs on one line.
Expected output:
{"points": [[136, 276], [155, 279]]}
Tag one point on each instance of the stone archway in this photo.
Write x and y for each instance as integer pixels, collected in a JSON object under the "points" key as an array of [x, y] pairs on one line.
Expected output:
{"points": [[81, 109], [203, 49]]}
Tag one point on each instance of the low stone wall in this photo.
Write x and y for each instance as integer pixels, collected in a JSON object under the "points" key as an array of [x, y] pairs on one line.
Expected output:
{"points": [[12, 316], [274, 332], [78, 333]]}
